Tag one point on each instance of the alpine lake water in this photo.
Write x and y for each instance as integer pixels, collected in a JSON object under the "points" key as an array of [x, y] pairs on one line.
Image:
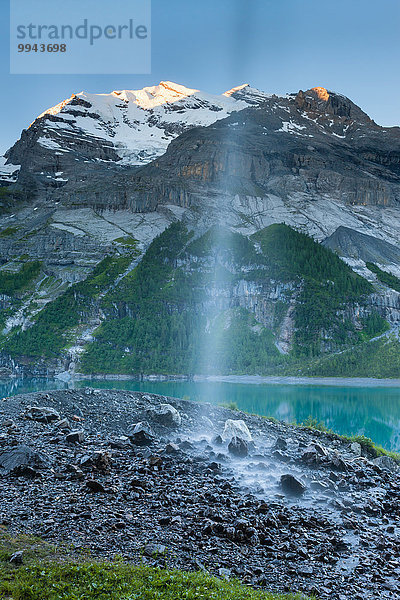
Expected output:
{"points": [[371, 410]]}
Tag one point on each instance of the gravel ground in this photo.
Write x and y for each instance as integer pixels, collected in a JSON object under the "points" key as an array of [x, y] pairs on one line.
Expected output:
{"points": [[161, 480]]}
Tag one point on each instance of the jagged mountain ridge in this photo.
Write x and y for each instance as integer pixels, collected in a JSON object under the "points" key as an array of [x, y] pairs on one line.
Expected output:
{"points": [[88, 135], [284, 147], [122, 128], [312, 159], [314, 146]]}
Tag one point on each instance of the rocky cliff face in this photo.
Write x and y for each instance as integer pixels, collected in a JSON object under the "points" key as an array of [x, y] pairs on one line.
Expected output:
{"points": [[312, 159], [284, 147], [88, 148], [347, 242]]}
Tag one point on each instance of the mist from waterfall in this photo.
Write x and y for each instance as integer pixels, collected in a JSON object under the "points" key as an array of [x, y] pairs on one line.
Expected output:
{"points": [[215, 303], [219, 267]]}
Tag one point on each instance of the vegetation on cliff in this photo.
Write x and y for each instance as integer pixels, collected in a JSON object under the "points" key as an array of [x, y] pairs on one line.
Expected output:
{"points": [[46, 337], [379, 358], [387, 278], [328, 285], [177, 311], [169, 316], [11, 283], [155, 322]]}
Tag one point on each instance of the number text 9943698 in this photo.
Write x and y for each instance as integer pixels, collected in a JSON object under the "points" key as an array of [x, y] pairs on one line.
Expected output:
{"points": [[42, 47]]}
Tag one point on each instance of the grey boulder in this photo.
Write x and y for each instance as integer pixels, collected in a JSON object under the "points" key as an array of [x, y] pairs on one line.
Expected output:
{"points": [[292, 486], [166, 415], [21, 460], [386, 463], [75, 437], [238, 447], [42, 414], [141, 434]]}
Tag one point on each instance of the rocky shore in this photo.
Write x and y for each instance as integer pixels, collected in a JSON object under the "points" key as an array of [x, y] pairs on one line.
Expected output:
{"points": [[194, 486]]}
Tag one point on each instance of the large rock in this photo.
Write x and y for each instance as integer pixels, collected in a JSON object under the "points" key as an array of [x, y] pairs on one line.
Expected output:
{"points": [[95, 486], [386, 463], [98, 461], [314, 454], [356, 448], [236, 428], [141, 434], [21, 460], [292, 486], [42, 414], [17, 558], [166, 415], [238, 447], [154, 550], [280, 444], [75, 437]]}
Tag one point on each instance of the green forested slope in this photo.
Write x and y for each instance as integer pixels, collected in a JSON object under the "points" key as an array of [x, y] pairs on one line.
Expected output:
{"points": [[387, 278], [157, 319], [46, 337], [328, 285], [379, 358], [179, 311]]}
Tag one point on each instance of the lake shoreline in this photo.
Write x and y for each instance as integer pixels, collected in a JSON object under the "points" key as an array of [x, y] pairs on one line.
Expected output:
{"points": [[243, 379], [350, 407], [287, 380]]}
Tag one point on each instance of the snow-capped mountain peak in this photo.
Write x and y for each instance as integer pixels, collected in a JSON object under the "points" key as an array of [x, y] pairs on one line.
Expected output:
{"points": [[236, 89], [150, 97], [147, 98], [53, 110], [133, 127], [129, 127]]}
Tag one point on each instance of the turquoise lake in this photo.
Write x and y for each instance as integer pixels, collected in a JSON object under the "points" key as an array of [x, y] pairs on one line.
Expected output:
{"points": [[372, 411]]}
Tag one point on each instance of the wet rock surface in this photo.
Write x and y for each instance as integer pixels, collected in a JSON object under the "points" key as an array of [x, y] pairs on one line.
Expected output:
{"points": [[140, 482]]}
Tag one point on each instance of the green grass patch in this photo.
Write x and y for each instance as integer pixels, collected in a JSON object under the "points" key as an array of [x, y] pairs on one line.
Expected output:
{"points": [[128, 241], [370, 446], [229, 405], [65, 573], [366, 443], [119, 581], [313, 424], [34, 548]]}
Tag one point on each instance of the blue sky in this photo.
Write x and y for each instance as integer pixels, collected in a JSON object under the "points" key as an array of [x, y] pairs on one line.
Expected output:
{"points": [[350, 46]]}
